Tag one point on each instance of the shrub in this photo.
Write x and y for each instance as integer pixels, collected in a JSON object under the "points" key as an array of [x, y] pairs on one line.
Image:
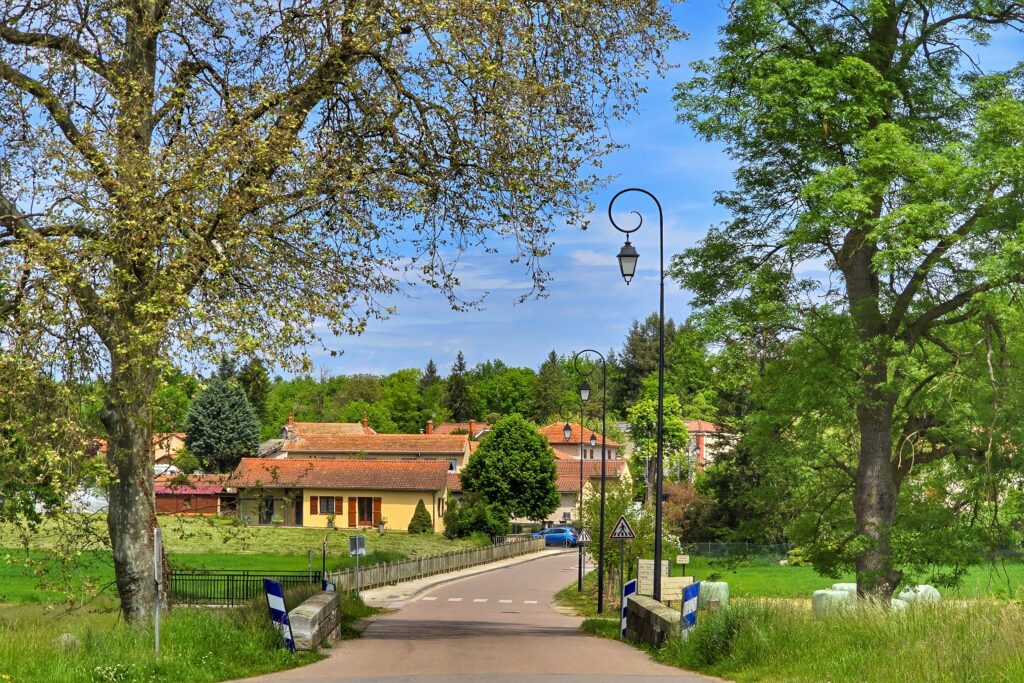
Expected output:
{"points": [[421, 522], [475, 513]]}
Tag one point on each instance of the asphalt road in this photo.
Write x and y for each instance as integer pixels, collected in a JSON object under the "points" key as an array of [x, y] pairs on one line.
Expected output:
{"points": [[497, 627]]}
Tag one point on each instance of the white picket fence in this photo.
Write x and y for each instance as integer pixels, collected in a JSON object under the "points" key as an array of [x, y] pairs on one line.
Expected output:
{"points": [[387, 573]]}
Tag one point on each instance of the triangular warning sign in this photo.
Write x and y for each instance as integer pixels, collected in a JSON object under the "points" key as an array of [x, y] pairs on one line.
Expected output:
{"points": [[584, 537], [622, 531]]}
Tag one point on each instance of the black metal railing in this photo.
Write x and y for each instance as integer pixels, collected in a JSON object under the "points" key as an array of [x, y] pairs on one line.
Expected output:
{"points": [[226, 586]]}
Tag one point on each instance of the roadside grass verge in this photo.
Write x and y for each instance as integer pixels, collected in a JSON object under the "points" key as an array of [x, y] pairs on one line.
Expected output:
{"points": [[202, 645], [778, 641], [760, 641]]}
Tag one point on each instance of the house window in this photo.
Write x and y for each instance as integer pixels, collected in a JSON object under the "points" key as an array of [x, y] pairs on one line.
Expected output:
{"points": [[453, 463], [186, 504], [366, 512], [326, 505]]}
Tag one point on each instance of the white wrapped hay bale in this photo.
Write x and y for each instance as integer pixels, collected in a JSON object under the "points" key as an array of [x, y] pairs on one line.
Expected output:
{"points": [[897, 605], [713, 591], [923, 593], [850, 588], [828, 601]]}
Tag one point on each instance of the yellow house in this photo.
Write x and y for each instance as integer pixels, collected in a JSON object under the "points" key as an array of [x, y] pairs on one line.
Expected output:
{"points": [[343, 494]]}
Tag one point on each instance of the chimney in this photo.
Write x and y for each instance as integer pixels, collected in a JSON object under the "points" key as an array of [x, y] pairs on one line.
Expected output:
{"points": [[366, 420], [472, 429], [430, 426]]}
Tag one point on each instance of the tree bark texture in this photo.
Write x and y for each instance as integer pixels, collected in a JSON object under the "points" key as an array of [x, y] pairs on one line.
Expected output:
{"points": [[131, 517]]}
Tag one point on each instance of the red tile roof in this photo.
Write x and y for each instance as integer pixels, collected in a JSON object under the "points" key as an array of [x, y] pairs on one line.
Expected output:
{"points": [[554, 434], [327, 428], [703, 426], [379, 443], [197, 485], [378, 475], [569, 473], [449, 427]]}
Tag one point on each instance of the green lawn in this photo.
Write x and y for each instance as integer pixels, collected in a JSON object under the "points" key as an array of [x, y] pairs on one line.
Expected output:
{"points": [[195, 644], [28, 576]]}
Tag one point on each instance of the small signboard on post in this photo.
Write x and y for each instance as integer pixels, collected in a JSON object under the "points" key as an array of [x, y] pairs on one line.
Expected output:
{"points": [[356, 545], [357, 548], [278, 612], [645, 575], [584, 537]]}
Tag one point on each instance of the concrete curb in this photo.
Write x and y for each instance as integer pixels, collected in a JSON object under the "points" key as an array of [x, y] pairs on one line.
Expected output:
{"points": [[399, 593]]}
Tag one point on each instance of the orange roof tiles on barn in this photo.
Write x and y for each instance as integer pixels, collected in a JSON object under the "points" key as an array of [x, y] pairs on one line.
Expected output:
{"points": [[553, 433], [454, 482], [194, 485], [378, 475], [379, 443]]}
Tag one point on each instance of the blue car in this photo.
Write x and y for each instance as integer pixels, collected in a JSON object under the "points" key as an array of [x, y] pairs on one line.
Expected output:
{"points": [[558, 535]]}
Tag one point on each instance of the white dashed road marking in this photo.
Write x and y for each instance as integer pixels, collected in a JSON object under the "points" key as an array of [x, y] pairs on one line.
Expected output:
{"points": [[530, 602], [479, 599], [454, 599], [505, 602], [428, 598]]}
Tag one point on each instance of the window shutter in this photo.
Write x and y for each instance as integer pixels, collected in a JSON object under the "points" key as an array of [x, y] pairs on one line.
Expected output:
{"points": [[313, 509], [376, 511], [352, 512], [339, 504]]}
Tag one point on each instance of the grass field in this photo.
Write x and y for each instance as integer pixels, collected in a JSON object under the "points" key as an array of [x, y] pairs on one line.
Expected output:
{"points": [[195, 644], [33, 576]]}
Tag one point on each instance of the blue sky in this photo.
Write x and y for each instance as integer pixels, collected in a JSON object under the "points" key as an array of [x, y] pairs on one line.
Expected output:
{"points": [[588, 304]]}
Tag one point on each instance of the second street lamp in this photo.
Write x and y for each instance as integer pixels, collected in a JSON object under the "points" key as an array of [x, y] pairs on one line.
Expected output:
{"points": [[585, 389], [628, 257]]}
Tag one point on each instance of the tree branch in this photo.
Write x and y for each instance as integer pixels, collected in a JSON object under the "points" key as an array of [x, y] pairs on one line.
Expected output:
{"points": [[48, 99], [64, 44]]}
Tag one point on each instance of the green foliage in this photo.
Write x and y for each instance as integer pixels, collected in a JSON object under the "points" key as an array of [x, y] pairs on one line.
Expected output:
{"points": [[377, 416], [256, 383], [638, 359], [474, 514], [514, 467], [550, 389], [457, 395], [643, 423], [421, 522], [222, 426], [869, 148]]}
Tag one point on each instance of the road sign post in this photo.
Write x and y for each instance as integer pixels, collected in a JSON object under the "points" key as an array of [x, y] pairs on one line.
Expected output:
{"points": [[622, 532], [278, 612], [581, 543], [158, 578], [357, 548]]}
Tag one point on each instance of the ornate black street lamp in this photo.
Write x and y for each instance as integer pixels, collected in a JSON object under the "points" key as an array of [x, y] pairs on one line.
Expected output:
{"points": [[585, 392], [628, 257]]}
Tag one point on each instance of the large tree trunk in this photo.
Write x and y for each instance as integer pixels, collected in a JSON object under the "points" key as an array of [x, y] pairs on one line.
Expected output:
{"points": [[131, 517], [875, 499]]}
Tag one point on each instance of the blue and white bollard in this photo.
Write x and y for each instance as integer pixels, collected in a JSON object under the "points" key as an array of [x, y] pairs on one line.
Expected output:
{"points": [[628, 588], [278, 612], [689, 615]]}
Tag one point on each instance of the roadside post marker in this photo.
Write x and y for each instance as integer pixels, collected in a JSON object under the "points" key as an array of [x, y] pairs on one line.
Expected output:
{"points": [[688, 618], [628, 589], [278, 612]]}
